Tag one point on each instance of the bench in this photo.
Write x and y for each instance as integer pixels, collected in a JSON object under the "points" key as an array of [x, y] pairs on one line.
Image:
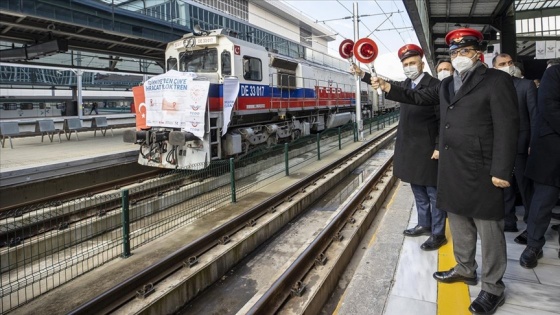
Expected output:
{"points": [[46, 127], [101, 124], [72, 125], [7, 130]]}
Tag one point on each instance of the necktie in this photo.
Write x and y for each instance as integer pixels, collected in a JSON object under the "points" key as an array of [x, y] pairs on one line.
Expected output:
{"points": [[413, 85]]}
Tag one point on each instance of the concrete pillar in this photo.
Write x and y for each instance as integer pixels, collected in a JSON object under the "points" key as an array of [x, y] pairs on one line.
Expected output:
{"points": [[508, 37]]}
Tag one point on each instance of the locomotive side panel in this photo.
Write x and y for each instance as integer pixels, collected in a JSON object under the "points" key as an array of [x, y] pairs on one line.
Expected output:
{"points": [[279, 99]]}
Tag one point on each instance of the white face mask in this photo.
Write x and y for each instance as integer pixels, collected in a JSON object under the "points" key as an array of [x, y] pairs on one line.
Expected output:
{"points": [[443, 74], [508, 69], [411, 72], [462, 63]]}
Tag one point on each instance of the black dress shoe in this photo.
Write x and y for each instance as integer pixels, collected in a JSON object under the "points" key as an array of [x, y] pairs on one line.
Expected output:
{"points": [[512, 228], [418, 230], [487, 303], [434, 242], [530, 257], [451, 276], [521, 238], [555, 227]]}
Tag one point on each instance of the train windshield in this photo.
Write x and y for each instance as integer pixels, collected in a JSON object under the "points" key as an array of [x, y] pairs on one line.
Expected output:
{"points": [[205, 60]]}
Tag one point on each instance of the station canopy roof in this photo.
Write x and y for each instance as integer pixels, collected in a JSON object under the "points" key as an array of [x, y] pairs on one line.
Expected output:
{"points": [[433, 19]]}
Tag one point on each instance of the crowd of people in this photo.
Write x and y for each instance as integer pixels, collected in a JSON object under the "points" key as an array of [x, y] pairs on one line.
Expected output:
{"points": [[466, 142]]}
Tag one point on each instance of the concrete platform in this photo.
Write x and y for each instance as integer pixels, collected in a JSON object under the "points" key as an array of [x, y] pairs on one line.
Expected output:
{"points": [[32, 160], [394, 276]]}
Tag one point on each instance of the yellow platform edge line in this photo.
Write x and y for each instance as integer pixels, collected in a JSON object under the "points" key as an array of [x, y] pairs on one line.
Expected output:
{"points": [[452, 298]]}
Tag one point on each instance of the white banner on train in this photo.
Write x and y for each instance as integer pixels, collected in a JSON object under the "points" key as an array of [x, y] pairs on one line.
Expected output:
{"points": [[175, 100], [231, 90]]}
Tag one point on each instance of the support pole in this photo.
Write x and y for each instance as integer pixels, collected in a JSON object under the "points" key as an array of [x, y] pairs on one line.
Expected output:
{"points": [[318, 146], [125, 224], [79, 88], [232, 180], [359, 122], [286, 159]]}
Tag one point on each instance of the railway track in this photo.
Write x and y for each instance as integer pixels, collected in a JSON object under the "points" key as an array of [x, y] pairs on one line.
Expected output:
{"points": [[228, 244]]}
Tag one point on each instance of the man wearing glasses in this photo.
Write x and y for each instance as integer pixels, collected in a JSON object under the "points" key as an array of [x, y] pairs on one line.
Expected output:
{"points": [[479, 123]]}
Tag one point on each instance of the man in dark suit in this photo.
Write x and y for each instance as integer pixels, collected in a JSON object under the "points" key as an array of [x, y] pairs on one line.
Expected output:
{"points": [[444, 68], [417, 135], [543, 166], [479, 125], [527, 101]]}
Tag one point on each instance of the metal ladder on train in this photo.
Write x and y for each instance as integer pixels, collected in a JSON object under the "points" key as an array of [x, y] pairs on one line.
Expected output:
{"points": [[215, 140]]}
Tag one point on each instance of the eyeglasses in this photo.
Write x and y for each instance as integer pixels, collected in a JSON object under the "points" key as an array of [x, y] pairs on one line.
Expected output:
{"points": [[462, 52]]}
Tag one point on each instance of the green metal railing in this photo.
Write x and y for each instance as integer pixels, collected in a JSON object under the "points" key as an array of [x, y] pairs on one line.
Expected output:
{"points": [[48, 245]]}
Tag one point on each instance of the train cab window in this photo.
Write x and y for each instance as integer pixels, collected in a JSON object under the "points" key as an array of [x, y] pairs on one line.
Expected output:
{"points": [[171, 63], [205, 60], [226, 63], [252, 69]]}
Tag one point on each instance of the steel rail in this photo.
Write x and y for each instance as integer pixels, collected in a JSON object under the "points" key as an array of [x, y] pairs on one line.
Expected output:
{"points": [[126, 290], [271, 301]]}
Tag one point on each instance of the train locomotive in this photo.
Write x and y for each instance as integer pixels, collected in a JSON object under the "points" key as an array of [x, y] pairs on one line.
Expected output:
{"points": [[279, 99]]}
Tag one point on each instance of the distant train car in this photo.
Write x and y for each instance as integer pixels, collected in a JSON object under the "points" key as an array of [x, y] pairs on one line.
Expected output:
{"points": [[280, 99], [24, 106]]}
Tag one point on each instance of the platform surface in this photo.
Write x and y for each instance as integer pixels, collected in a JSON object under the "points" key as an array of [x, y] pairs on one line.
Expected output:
{"points": [[394, 277]]}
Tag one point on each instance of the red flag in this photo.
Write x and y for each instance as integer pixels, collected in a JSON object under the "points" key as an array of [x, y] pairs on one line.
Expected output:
{"points": [[139, 107]]}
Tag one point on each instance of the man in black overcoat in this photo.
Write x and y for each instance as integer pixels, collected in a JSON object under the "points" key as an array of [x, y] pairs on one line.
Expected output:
{"points": [[479, 123], [543, 166], [527, 101], [417, 135]]}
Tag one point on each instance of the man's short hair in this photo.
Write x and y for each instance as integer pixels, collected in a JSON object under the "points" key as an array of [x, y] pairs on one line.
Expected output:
{"points": [[502, 55], [442, 60], [553, 62]]}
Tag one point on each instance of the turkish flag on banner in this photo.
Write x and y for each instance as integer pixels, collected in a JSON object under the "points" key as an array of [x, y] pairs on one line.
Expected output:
{"points": [[139, 107]]}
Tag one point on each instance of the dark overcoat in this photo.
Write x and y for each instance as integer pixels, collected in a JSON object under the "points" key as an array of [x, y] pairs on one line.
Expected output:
{"points": [[417, 136], [543, 164], [477, 139], [527, 98]]}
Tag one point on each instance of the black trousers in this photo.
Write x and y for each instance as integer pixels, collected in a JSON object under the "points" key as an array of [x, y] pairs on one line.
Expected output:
{"points": [[543, 201], [525, 186]]}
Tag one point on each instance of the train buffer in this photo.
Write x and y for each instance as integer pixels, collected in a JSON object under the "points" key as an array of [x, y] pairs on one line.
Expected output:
{"points": [[72, 125], [46, 127], [7, 130], [101, 124]]}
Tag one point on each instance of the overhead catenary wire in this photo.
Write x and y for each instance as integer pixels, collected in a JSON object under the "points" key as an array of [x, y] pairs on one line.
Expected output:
{"points": [[403, 21], [369, 30], [380, 8]]}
